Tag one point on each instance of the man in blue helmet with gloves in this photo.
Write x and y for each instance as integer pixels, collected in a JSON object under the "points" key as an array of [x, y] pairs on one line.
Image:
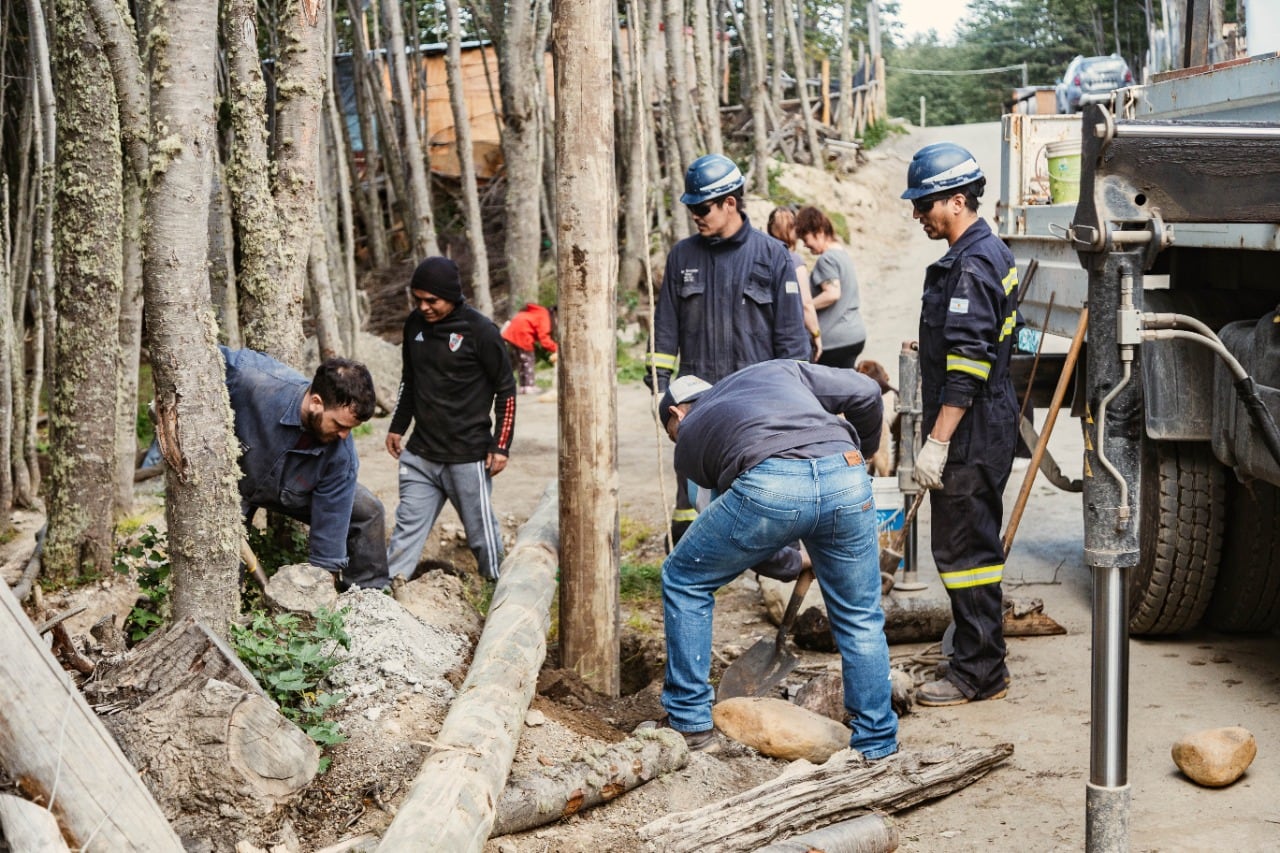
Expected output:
{"points": [[970, 413], [729, 296]]}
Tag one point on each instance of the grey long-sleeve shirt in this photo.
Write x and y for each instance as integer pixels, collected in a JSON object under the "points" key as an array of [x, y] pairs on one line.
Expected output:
{"points": [[780, 408]]}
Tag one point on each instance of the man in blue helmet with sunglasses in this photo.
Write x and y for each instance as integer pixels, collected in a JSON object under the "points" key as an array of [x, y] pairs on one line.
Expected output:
{"points": [[729, 296], [970, 413]]}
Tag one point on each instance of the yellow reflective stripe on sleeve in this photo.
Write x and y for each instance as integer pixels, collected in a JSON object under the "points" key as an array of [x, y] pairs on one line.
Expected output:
{"points": [[660, 360], [980, 576], [1009, 323], [1010, 281], [980, 369], [680, 515]]}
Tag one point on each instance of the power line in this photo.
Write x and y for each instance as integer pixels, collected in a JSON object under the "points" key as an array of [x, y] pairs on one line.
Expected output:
{"points": [[1021, 66]]}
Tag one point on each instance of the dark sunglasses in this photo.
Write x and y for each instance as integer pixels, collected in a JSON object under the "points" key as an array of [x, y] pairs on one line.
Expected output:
{"points": [[701, 210], [924, 205]]}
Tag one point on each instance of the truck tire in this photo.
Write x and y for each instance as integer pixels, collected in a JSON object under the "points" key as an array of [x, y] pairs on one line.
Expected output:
{"points": [[1183, 512], [1247, 597]]}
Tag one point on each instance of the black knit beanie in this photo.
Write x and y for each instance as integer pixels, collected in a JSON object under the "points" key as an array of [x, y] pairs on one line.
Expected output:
{"points": [[439, 277]]}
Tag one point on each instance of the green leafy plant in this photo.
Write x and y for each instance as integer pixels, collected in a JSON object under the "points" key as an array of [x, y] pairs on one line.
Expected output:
{"points": [[282, 543], [146, 554], [290, 657]]}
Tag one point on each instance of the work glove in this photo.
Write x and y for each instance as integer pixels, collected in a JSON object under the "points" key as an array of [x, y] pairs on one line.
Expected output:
{"points": [[930, 462]]}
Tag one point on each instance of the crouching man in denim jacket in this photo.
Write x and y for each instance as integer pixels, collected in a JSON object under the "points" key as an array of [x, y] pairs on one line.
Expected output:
{"points": [[298, 458]]}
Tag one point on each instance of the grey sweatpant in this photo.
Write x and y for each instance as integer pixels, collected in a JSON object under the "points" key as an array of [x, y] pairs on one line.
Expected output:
{"points": [[424, 486]]}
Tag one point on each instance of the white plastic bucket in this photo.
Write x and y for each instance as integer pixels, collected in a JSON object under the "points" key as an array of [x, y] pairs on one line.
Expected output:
{"points": [[889, 509]]}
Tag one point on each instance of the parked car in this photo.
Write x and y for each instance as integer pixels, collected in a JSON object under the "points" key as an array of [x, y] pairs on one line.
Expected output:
{"points": [[1091, 80]]}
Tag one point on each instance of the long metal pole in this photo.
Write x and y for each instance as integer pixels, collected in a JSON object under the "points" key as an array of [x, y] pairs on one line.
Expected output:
{"points": [[1113, 446]]}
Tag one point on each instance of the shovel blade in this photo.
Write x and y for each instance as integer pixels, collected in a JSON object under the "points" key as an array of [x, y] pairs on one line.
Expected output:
{"points": [[759, 669]]}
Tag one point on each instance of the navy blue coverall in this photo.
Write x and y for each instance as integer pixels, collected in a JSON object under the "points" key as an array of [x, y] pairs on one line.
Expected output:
{"points": [[966, 336], [725, 303]]}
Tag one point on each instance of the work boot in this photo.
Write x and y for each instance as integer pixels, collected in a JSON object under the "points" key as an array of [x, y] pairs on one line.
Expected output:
{"points": [[941, 693], [696, 741]]}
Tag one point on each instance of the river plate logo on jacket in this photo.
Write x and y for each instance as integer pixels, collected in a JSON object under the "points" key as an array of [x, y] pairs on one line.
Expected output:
{"points": [[455, 341]]}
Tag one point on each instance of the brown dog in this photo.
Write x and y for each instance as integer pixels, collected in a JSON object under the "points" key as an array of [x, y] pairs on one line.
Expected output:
{"points": [[885, 460]]}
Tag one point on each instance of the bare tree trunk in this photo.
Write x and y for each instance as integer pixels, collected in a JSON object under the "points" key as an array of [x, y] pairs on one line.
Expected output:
{"points": [[777, 14], [340, 150], [120, 43], [422, 232], [846, 70], [82, 416], [21, 276], [707, 84], [473, 216], [6, 351], [586, 270], [797, 51], [193, 421], [40, 299], [754, 55], [678, 81], [514, 29], [328, 338], [635, 213], [369, 201], [301, 72]]}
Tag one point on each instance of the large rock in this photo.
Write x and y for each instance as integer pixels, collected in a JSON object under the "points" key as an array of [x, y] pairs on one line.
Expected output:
{"points": [[824, 694], [302, 588], [439, 599], [779, 729], [1215, 757]]}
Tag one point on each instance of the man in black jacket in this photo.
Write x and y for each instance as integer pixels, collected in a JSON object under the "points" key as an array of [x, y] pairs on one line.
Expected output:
{"points": [[455, 373]]}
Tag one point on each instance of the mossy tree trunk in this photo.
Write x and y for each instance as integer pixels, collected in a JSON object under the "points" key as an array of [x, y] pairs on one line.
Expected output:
{"points": [[87, 251], [273, 187], [193, 413], [119, 41]]}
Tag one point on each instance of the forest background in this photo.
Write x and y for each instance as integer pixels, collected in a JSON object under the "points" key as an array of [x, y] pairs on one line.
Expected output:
{"points": [[178, 174]]}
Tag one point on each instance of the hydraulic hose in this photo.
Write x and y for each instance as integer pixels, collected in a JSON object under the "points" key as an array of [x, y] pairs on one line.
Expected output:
{"points": [[1246, 388]]}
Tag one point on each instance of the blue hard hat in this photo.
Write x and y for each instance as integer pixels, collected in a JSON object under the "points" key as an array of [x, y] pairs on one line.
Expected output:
{"points": [[710, 176], [940, 167]]}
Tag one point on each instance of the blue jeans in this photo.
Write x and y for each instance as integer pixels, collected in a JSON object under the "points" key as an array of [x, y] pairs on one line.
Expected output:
{"points": [[826, 503]]}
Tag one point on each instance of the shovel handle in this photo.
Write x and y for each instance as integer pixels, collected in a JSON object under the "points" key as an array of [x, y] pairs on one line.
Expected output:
{"points": [[798, 593]]}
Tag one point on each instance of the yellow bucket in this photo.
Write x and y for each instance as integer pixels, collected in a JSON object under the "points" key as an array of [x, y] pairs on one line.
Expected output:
{"points": [[1064, 171]]}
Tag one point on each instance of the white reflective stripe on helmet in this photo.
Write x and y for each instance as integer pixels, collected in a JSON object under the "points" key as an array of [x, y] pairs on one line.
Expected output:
{"points": [[724, 183], [961, 170]]}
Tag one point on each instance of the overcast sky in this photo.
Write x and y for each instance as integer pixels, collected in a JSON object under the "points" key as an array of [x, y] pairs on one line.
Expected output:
{"points": [[920, 16]]}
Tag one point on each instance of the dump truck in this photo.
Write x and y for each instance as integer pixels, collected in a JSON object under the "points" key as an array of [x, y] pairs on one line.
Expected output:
{"points": [[1186, 175]]}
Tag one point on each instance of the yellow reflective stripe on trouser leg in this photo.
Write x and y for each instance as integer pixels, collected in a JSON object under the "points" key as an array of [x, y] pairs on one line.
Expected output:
{"points": [[660, 360], [679, 515], [980, 576], [980, 369]]}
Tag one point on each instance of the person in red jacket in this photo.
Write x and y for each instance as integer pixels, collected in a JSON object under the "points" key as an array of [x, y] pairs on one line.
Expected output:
{"points": [[531, 324]]}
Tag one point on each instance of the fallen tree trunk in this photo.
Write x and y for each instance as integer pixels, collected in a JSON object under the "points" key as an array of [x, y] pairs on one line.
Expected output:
{"points": [[910, 619], [452, 803], [872, 833], [53, 744], [187, 711], [847, 786], [590, 779]]}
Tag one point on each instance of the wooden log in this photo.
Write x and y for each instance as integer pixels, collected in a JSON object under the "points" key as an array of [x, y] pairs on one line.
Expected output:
{"points": [[187, 711], [910, 619], [27, 828], [872, 833], [847, 786], [48, 732], [595, 777], [452, 802]]}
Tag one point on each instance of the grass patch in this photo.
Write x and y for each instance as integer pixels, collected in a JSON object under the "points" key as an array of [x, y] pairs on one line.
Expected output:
{"points": [[629, 368], [8, 535], [641, 581], [840, 224], [779, 195], [879, 132]]}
